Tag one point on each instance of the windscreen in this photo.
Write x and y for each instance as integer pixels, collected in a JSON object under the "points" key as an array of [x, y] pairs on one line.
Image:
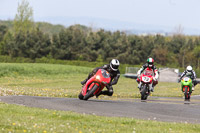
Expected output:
{"points": [[147, 72], [186, 79], [105, 73]]}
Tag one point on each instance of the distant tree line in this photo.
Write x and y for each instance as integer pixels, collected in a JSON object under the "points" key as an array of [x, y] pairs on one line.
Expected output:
{"points": [[79, 42]]}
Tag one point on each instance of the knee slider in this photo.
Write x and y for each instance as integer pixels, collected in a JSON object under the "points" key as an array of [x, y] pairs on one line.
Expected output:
{"points": [[110, 92]]}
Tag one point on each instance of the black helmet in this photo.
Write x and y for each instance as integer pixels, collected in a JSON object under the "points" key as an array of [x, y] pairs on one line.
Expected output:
{"points": [[150, 62], [114, 64]]}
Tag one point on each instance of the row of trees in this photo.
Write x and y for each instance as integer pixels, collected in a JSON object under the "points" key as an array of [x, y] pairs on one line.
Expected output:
{"points": [[82, 43]]}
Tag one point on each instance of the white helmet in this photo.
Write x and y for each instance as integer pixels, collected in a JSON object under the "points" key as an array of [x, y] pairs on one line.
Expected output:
{"points": [[114, 64], [189, 68]]}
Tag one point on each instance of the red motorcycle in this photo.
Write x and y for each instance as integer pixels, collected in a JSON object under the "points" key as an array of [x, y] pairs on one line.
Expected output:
{"points": [[146, 80], [95, 84]]}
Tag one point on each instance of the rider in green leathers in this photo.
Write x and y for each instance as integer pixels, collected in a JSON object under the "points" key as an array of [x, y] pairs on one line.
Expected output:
{"points": [[191, 74]]}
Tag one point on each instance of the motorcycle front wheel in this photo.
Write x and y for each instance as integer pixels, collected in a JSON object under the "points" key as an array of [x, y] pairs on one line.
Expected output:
{"points": [[187, 94], [80, 96], [90, 93], [144, 93]]}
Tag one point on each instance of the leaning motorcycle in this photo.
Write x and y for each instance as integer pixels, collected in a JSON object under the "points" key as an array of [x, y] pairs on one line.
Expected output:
{"points": [[95, 84], [186, 86], [146, 79]]}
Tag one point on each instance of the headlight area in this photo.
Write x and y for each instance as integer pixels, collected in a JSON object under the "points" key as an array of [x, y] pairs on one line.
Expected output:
{"points": [[98, 77]]}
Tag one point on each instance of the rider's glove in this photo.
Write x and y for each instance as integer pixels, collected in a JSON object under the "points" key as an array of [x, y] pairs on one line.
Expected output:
{"points": [[179, 80]]}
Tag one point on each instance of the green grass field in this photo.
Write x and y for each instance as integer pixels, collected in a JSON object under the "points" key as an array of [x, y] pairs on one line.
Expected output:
{"points": [[16, 118], [64, 81]]}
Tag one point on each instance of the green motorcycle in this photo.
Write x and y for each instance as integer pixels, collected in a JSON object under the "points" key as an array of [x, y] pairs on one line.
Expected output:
{"points": [[186, 85]]}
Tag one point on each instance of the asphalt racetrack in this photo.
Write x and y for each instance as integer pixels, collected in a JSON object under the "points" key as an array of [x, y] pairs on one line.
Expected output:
{"points": [[155, 108]]}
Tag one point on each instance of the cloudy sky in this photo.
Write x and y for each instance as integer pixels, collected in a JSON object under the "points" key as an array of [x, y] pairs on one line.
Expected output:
{"points": [[105, 13]]}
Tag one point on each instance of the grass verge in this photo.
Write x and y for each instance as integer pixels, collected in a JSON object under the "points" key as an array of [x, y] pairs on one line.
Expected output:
{"points": [[64, 81], [16, 118]]}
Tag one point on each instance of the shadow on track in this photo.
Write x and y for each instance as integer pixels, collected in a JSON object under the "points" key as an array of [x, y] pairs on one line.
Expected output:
{"points": [[99, 101]]}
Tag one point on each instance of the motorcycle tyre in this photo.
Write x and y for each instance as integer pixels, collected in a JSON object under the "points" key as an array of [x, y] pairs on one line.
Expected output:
{"points": [[80, 96], [187, 95], [90, 93], [144, 95]]}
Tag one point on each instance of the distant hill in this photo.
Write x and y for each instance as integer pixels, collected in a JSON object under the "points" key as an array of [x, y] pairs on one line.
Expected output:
{"points": [[114, 25], [43, 26]]}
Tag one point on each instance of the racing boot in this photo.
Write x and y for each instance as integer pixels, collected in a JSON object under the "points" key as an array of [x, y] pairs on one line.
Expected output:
{"points": [[152, 88], [84, 81], [192, 88]]}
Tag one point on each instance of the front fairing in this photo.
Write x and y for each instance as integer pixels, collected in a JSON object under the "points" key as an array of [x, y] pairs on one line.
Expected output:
{"points": [[146, 78], [101, 78], [86, 86], [186, 81]]}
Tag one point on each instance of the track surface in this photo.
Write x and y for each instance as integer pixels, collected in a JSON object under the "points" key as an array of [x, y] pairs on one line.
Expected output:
{"points": [[155, 108]]}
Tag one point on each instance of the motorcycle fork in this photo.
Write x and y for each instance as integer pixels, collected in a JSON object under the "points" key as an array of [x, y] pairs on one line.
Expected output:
{"points": [[147, 87]]}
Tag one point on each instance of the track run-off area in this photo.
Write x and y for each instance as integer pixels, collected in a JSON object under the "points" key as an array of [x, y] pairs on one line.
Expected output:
{"points": [[169, 109]]}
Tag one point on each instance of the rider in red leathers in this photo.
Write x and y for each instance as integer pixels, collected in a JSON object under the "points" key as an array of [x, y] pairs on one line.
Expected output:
{"points": [[149, 65]]}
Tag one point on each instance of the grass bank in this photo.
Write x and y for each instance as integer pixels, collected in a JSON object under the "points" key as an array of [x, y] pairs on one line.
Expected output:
{"points": [[54, 80], [8, 59], [21, 119]]}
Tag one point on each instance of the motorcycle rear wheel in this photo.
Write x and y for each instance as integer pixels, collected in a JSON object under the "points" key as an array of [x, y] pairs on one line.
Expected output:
{"points": [[90, 93]]}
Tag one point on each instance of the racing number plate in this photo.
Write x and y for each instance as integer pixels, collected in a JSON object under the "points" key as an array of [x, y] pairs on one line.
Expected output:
{"points": [[146, 79]]}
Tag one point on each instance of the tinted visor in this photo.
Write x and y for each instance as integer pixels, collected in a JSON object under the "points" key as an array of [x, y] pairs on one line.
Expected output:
{"points": [[150, 65], [115, 66]]}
